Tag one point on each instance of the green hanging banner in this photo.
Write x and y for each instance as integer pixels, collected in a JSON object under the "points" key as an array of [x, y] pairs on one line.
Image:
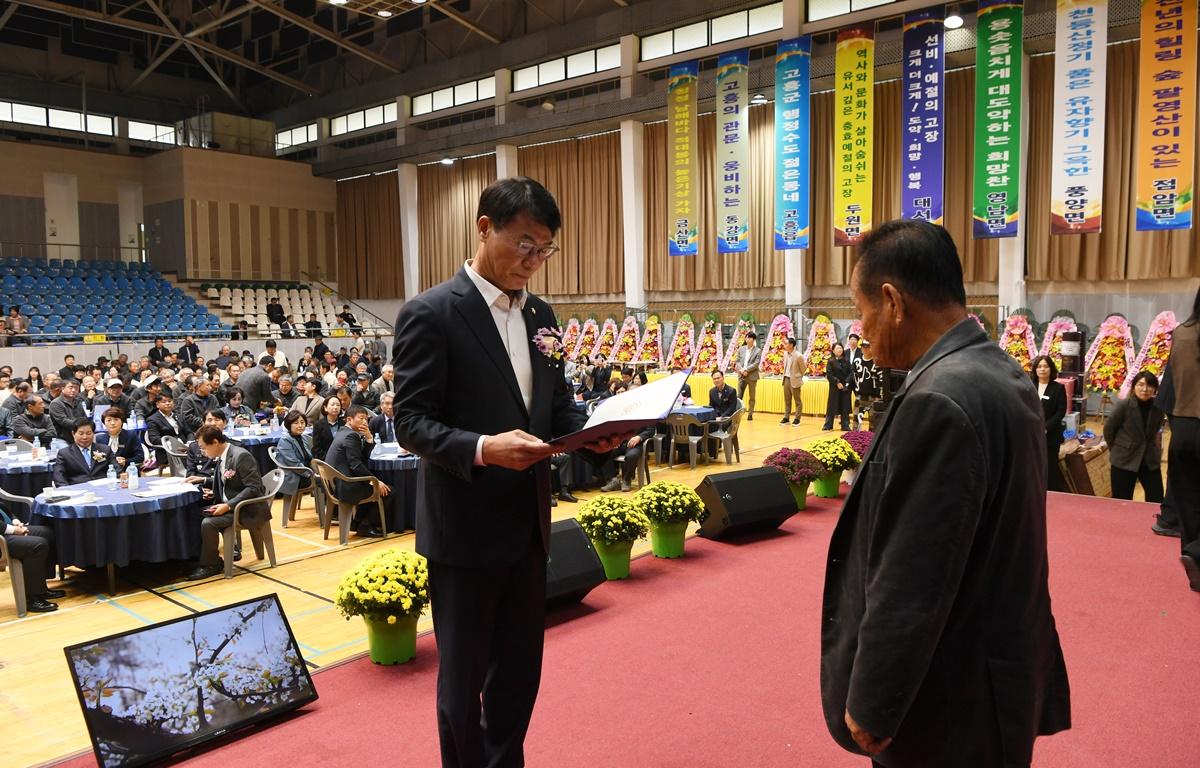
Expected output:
{"points": [[997, 119]]}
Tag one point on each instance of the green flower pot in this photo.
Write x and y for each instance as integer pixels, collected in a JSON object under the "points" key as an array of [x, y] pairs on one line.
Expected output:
{"points": [[828, 485], [392, 643], [615, 558], [666, 539], [800, 493]]}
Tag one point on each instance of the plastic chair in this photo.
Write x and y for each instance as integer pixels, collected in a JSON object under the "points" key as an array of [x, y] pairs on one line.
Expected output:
{"points": [[260, 533], [15, 567], [727, 432], [292, 502], [681, 436], [176, 455], [329, 477]]}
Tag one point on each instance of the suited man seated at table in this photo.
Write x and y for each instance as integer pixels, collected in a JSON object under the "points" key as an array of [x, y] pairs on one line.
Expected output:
{"points": [[632, 451], [235, 479], [33, 547], [384, 425], [34, 425], [83, 460], [348, 454], [196, 464], [124, 443]]}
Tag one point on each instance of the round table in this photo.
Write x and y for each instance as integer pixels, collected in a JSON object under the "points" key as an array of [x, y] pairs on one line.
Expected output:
{"points": [[400, 474], [259, 445], [118, 528], [25, 476]]}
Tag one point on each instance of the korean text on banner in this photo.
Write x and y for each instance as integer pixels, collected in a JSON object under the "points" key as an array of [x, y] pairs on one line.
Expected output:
{"points": [[1080, 73], [997, 180], [1166, 115], [922, 125], [853, 128], [733, 152], [682, 84], [793, 63]]}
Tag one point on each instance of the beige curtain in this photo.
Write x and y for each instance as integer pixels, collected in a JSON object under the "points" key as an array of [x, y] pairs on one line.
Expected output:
{"points": [[369, 259], [447, 201], [584, 175]]}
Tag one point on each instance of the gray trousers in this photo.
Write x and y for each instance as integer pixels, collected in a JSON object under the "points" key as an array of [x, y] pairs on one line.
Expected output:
{"points": [[210, 537]]}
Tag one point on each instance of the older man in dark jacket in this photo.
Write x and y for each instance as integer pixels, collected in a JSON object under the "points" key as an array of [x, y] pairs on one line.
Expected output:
{"points": [[235, 479], [938, 645]]}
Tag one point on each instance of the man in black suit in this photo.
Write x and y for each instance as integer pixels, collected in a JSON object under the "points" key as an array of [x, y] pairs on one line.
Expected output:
{"points": [[320, 348], [158, 353], [288, 328], [484, 486], [348, 454], [314, 328], [163, 423], [275, 311], [33, 547], [938, 647], [84, 460], [722, 398], [67, 372], [235, 478], [384, 424], [189, 352]]}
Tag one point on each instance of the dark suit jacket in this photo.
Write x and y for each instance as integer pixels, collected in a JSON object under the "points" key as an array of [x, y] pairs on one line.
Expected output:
{"points": [[70, 467], [723, 401], [348, 455], [839, 372], [378, 426], [936, 627], [322, 436], [157, 426], [455, 383], [245, 483], [1054, 410], [130, 447], [1132, 442], [188, 353], [158, 354]]}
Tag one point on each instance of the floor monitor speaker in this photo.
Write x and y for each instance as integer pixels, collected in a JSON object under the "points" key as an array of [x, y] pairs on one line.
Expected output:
{"points": [[573, 568], [747, 500]]}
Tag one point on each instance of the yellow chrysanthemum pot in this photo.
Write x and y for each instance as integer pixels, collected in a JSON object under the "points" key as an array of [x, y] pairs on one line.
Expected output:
{"points": [[392, 640]]}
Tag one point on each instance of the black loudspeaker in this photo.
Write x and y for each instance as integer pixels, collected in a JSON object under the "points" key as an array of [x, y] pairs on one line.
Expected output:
{"points": [[752, 499], [573, 568]]}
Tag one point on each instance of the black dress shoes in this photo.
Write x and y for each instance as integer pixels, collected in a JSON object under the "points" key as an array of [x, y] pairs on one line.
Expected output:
{"points": [[1164, 530], [370, 533], [55, 594], [38, 605], [203, 572], [1193, 571], [565, 495]]}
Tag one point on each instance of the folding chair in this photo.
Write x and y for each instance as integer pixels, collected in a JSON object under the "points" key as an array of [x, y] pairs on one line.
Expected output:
{"points": [[329, 477], [309, 485], [260, 533]]}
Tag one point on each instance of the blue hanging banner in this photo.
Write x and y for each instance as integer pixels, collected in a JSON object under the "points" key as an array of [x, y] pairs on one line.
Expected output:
{"points": [[733, 152], [793, 63], [922, 125]]}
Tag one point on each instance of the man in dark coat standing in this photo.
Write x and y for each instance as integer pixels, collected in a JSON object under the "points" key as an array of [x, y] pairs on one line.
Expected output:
{"points": [[938, 646], [483, 501]]}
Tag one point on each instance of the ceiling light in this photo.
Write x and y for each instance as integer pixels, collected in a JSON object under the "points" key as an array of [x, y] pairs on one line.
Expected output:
{"points": [[758, 99], [953, 21], [447, 161], [418, 2], [337, 2], [384, 14], [548, 105]]}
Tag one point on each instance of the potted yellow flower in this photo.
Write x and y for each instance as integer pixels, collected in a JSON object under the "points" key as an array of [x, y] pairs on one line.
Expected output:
{"points": [[669, 507], [389, 590], [837, 456], [613, 524]]}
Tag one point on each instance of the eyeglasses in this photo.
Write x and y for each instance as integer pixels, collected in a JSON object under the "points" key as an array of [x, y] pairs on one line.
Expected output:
{"points": [[528, 248]]}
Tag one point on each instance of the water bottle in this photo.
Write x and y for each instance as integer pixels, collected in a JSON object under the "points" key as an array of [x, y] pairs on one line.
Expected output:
{"points": [[112, 475], [274, 422], [133, 477]]}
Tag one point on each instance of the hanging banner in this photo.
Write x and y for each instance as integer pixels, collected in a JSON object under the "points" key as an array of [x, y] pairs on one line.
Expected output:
{"points": [[995, 202], [733, 152], [1080, 74], [793, 66], [1166, 127], [682, 85], [921, 117], [853, 125]]}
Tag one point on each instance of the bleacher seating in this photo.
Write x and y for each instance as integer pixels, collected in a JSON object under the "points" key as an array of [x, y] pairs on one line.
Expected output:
{"points": [[248, 301], [66, 299]]}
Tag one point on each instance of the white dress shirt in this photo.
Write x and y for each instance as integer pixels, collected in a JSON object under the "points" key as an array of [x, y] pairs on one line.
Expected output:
{"points": [[510, 324]]}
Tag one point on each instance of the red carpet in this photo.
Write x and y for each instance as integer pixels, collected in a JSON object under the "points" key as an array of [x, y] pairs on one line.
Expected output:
{"points": [[713, 661]]}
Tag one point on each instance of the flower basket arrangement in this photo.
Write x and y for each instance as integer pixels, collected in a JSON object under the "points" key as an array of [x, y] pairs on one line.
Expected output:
{"points": [[1110, 356], [683, 346], [1052, 341], [855, 328], [669, 507], [708, 355], [837, 456], [389, 590], [744, 325], [651, 348], [613, 524], [608, 339], [821, 338], [1018, 340], [1155, 349], [775, 346], [587, 340], [627, 340], [799, 468], [571, 337]]}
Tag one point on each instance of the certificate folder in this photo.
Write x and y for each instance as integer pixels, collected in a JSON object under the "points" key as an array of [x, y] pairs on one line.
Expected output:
{"points": [[627, 412]]}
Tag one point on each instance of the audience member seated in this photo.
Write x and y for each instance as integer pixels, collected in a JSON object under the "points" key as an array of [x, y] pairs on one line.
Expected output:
{"points": [[314, 327], [272, 351], [722, 398], [364, 395], [288, 328], [384, 425], [632, 451], [235, 479], [224, 358], [6, 422], [124, 443], [347, 317], [197, 464], [65, 410], [158, 353], [189, 353], [386, 381], [294, 449], [236, 412], [33, 547], [561, 472], [286, 394], [16, 327], [348, 454], [147, 400], [275, 311], [327, 427], [21, 391], [114, 396], [34, 425], [309, 401], [241, 332], [163, 423], [195, 404], [84, 460]]}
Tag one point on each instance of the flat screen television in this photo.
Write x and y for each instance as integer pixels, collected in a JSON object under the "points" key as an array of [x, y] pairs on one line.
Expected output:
{"points": [[154, 691]]}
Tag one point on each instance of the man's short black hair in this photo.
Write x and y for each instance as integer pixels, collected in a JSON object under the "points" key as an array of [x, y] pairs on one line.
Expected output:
{"points": [[267, 360], [917, 257], [208, 434], [505, 199], [853, 336], [80, 423], [218, 414], [355, 410], [752, 335]]}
